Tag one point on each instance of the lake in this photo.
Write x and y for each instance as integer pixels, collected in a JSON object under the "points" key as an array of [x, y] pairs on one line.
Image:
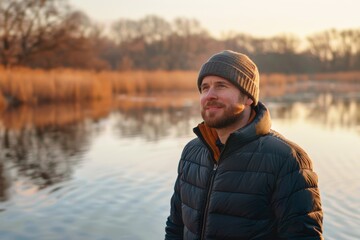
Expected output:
{"points": [[106, 170]]}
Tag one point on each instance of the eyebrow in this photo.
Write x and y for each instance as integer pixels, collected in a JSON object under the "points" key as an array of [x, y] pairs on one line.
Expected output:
{"points": [[222, 82]]}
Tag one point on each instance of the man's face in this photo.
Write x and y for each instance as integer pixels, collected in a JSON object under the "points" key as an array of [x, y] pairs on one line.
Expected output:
{"points": [[222, 103]]}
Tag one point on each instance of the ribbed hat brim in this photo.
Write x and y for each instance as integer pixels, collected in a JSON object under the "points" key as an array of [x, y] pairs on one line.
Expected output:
{"points": [[232, 74]]}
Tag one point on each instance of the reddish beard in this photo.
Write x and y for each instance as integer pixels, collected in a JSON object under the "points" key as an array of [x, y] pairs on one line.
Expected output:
{"points": [[231, 114]]}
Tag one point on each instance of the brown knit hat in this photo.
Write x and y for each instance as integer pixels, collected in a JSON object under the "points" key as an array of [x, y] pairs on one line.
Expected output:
{"points": [[235, 67]]}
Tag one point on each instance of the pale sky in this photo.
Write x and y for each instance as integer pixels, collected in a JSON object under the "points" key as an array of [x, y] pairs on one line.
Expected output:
{"points": [[260, 18]]}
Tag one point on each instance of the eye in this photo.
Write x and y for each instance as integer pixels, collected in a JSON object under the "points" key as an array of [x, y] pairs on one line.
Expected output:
{"points": [[221, 85], [204, 88]]}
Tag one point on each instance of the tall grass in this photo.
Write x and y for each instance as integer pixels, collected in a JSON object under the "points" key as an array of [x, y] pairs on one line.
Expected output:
{"points": [[276, 84], [39, 86], [33, 86], [156, 101], [65, 85], [138, 82]]}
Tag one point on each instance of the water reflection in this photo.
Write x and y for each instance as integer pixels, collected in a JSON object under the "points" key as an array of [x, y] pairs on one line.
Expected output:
{"points": [[44, 150], [44, 144], [325, 110], [153, 124], [41, 146], [154, 118], [3, 184], [337, 112], [44, 155]]}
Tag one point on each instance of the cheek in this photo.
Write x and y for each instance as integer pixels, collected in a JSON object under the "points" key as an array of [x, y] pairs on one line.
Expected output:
{"points": [[202, 100], [239, 108]]}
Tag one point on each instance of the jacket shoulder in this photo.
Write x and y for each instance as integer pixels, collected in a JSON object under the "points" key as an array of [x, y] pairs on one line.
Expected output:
{"points": [[193, 146], [195, 152], [290, 153]]}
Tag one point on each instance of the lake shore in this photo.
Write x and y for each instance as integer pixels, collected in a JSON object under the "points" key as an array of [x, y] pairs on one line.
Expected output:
{"points": [[24, 86]]}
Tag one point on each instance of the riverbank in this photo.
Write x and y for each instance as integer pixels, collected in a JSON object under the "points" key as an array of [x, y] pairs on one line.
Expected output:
{"points": [[24, 86]]}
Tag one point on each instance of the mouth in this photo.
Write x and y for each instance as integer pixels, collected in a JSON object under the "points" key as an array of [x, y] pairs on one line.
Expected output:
{"points": [[213, 105], [213, 108]]}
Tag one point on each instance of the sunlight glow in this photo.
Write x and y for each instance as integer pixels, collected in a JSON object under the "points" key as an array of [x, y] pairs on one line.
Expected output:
{"points": [[257, 17]]}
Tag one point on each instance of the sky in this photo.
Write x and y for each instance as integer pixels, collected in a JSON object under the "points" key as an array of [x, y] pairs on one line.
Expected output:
{"points": [[262, 18]]}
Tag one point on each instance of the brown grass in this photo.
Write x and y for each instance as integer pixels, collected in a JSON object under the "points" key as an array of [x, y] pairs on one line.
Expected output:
{"points": [[73, 92], [138, 82], [156, 101], [31, 86], [276, 84], [3, 103], [39, 86]]}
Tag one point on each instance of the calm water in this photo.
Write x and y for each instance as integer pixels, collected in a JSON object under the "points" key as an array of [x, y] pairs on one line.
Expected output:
{"points": [[67, 173]]}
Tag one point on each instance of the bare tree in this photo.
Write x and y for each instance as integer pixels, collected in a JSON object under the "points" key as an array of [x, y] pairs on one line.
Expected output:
{"points": [[154, 28], [239, 42], [349, 48], [284, 44], [188, 27], [336, 50], [32, 26], [150, 28], [323, 46], [125, 30]]}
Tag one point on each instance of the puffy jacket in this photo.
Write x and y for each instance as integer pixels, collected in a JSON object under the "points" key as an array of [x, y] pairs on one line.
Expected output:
{"points": [[260, 186]]}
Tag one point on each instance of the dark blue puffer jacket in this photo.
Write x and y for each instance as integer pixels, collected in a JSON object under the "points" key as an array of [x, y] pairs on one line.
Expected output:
{"points": [[261, 186]]}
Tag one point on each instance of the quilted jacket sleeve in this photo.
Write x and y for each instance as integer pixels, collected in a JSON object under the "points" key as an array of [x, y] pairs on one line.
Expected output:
{"points": [[174, 224], [296, 200]]}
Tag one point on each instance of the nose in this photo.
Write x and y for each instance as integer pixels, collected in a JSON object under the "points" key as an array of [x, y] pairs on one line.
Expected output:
{"points": [[210, 94]]}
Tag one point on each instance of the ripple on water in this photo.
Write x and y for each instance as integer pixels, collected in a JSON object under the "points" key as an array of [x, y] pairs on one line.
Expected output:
{"points": [[339, 183], [104, 207], [342, 208]]}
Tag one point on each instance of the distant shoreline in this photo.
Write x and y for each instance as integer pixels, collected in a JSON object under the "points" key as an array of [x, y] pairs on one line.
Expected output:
{"points": [[19, 86]]}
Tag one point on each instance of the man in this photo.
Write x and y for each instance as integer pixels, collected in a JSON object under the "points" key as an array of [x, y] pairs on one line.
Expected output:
{"points": [[239, 179]]}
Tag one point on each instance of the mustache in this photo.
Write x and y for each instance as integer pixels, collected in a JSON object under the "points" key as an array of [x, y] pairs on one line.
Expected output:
{"points": [[214, 104]]}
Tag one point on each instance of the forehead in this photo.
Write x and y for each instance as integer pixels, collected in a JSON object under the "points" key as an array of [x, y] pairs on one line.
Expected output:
{"points": [[214, 79]]}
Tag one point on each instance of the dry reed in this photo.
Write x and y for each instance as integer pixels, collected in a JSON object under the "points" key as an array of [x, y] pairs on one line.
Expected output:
{"points": [[156, 101], [39, 86], [278, 84], [32, 86]]}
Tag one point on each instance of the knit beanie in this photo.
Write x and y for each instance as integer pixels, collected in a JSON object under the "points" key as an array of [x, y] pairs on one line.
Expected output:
{"points": [[236, 68]]}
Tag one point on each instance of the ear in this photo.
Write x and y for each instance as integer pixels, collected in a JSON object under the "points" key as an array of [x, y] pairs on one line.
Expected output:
{"points": [[249, 101]]}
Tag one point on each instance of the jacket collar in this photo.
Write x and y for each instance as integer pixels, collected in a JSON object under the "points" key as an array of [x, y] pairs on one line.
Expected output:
{"points": [[259, 126]]}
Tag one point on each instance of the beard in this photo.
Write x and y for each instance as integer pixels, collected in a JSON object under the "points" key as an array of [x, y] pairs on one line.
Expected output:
{"points": [[231, 115]]}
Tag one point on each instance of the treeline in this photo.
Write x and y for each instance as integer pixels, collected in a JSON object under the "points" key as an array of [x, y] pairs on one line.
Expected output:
{"points": [[51, 34]]}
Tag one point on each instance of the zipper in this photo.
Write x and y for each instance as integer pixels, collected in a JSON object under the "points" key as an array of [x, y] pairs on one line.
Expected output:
{"points": [[207, 200], [211, 181], [215, 167]]}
